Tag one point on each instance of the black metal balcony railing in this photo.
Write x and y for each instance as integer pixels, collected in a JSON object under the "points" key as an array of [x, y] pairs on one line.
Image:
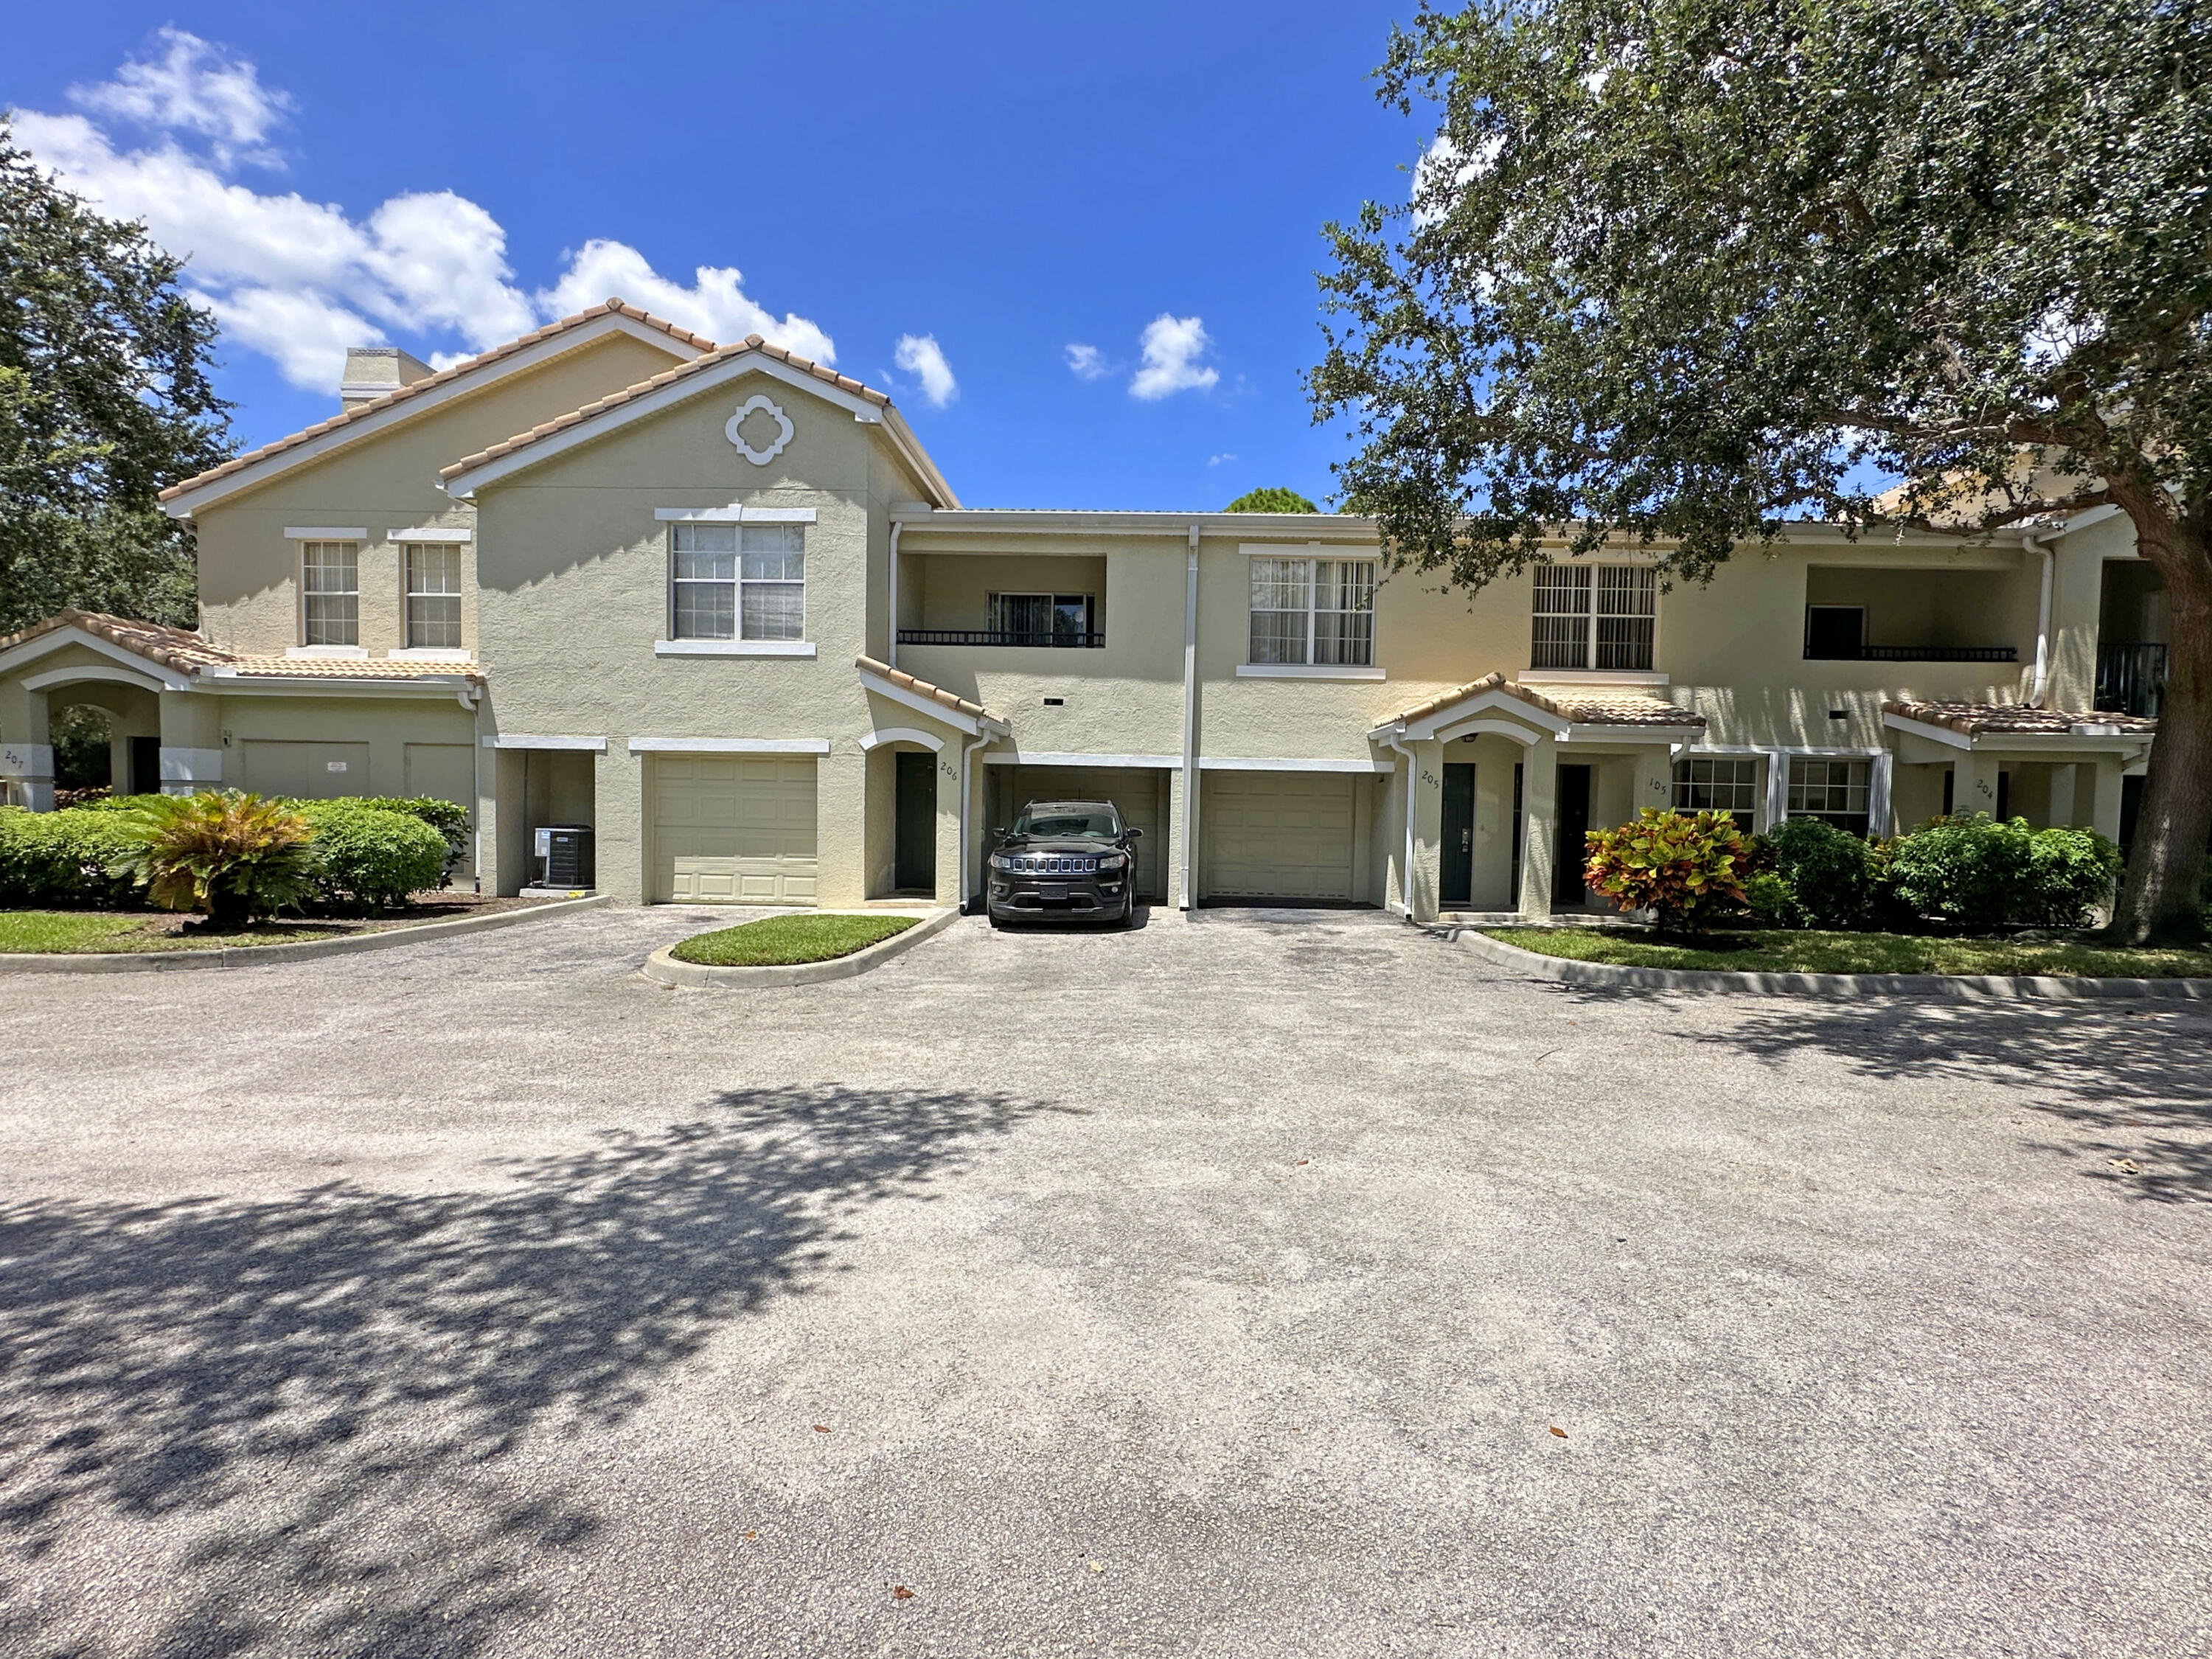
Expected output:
{"points": [[1919, 654], [1043, 637], [2130, 678]]}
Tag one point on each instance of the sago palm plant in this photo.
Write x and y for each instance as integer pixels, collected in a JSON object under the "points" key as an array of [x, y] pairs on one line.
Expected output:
{"points": [[230, 856]]}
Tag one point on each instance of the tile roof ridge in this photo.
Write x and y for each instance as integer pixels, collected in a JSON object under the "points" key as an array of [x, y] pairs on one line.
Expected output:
{"points": [[613, 305]]}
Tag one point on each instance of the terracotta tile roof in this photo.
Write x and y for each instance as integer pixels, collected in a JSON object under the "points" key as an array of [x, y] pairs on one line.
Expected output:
{"points": [[630, 394], [907, 681], [444, 377], [1978, 719], [1582, 711], [173, 647], [343, 668]]}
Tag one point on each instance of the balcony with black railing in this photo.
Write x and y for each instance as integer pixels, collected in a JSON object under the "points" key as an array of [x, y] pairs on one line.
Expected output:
{"points": [[1914, 654], [2131, 676], [1033, 638]]}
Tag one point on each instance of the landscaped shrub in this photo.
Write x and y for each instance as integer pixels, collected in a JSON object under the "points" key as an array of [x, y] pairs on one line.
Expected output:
{"points": [[69, 860], [1974, 872], [448, 818], [369, 855], [1772, 900], [1688, 871], [1829, 873], [230, 856]]}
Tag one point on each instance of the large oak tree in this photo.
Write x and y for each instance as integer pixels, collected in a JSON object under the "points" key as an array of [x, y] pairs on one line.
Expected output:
{"points": [[104, 402], [1684, 270]]}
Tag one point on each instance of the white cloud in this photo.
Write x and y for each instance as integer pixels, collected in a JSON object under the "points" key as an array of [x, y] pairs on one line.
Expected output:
{"points": [[299, 280], [1443, 169], [1088, 362], [1217, 460], [713, 306], [920, 355], [1171, 348], [194, 87]]}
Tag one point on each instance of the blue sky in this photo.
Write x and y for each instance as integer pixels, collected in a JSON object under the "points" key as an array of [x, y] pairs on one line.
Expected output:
{"points": [[1008, 182]]}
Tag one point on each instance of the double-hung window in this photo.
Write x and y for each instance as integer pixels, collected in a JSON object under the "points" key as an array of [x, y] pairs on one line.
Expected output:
{"points": [[1594, 616], [739, 581], [1705, 783], [434, 596], [329, 585], [1319, 613], [1833, 791]]}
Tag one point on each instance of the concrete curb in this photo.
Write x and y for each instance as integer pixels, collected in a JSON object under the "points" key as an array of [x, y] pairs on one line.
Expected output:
{"points": [[664, 969], [1991, 988], [148, 962]]}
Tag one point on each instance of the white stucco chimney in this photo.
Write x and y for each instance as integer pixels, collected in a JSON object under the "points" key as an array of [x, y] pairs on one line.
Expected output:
{"points": [[372, 371]]}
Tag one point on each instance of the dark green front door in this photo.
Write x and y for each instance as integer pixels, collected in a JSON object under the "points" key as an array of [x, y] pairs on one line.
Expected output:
{"points": [[915, 859], [1457, 854]]}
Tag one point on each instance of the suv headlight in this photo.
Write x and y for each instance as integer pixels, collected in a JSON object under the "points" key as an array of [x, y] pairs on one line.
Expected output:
{"points": [[1000, 862], [1109, 862]]}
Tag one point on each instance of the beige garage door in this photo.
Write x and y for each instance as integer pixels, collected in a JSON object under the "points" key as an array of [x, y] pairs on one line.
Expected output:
{"points": [[1135, 792], [1277, 834], [733, 829], [305, 771]]}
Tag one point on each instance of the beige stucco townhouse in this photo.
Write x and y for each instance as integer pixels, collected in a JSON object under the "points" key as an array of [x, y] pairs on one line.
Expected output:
{"points": [[717, 605]]}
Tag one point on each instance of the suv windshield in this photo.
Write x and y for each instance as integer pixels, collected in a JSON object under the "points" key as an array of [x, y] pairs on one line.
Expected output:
{"points": [[1061, 820]]}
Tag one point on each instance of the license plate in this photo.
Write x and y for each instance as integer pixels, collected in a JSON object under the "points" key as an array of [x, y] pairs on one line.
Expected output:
{"points": [[1052, 890]]}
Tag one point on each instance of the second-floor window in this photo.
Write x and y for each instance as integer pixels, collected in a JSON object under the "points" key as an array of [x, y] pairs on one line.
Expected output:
{"points": [[1314, 611], [329, 585], [739, 581], [1594, 616], [1043, 618], [434, 597]]}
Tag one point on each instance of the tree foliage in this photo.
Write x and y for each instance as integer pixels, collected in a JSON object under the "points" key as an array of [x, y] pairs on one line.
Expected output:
{"points": [[1271, 500], [104, 401], [1678, 271]]}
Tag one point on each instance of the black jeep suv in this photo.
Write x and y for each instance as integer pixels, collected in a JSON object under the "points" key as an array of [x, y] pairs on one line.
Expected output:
{"points": [[1065, 857]]}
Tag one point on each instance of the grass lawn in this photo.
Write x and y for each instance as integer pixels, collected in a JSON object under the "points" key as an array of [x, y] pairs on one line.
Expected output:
{"points": [[1813, 953], [65, 933], [781, 941]]}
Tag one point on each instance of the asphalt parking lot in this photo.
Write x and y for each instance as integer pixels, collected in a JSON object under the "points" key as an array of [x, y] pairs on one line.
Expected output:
{"points": [[1268, 1283]]}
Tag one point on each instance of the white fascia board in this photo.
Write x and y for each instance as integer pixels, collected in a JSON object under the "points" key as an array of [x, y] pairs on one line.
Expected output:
{"points": [[46, 644], [729, 745], [114, 674], [430, 533], [1493, 701], [1296, 530], [542, 351], [1598, 733], [594, 427], [917, 458], [331, 686], [1942, 734], [1013, 757], [735, 512], [733, 647], [538, 740], [958, 719], [1262, 763]]}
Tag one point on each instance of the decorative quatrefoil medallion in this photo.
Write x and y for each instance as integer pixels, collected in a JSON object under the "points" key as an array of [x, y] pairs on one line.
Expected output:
{"points": [[758, 401]]}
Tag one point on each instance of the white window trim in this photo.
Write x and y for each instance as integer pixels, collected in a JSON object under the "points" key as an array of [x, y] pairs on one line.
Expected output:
{"points": [[335, 652], [736, 512], [429, 533], [538, 740], [407, 595], [733, 648], [1312, 553], [1303, 671], [301, 541], [294, 532]]}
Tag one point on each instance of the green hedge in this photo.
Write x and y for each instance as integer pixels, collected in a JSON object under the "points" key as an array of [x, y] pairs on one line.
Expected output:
{"points": [[63, 860], [369, 854], [1975, 872]]}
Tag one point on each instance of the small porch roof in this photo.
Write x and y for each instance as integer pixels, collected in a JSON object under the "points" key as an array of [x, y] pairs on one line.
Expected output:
{"points": [[933, 701], [178, 659], [1631, 719], [2012, 725]]}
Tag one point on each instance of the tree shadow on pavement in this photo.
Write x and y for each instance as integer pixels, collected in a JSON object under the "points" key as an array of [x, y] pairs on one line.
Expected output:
{"points": [[2136, 1079], [311, 1398]]}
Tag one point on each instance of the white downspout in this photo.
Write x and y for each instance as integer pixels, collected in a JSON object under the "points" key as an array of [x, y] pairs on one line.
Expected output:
{"points": [[1188, 827], [1405, 868], [2042, 683], [967, 804], [890, 644]]}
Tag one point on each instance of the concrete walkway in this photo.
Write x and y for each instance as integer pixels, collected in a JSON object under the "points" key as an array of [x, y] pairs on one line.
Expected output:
{"points": [[1214, 1289]]}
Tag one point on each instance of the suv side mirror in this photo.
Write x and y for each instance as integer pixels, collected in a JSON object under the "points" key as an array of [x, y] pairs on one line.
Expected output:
{"points": [[1133, 834], [1000, 832]]}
